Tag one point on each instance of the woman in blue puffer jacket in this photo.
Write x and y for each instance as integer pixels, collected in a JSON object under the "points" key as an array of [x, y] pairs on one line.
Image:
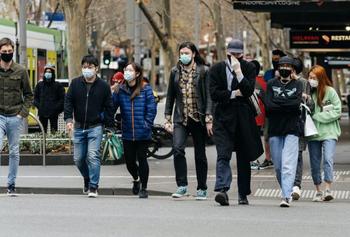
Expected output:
{"points": [[138, 110]]}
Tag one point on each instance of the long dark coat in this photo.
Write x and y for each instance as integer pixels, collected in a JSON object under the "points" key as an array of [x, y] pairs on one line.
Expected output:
{"points": [[234, 119]]}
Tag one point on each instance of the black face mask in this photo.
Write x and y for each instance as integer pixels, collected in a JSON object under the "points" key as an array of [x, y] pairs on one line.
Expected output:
{"points": [[275, 65], [285, 73], [6, 57]]}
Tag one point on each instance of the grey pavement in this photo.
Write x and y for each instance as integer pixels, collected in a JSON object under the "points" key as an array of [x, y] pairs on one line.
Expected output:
{"points": [[107, 216]]}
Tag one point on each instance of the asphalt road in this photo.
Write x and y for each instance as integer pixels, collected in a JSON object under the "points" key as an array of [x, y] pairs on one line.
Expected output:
{"points": [[43, 215]]}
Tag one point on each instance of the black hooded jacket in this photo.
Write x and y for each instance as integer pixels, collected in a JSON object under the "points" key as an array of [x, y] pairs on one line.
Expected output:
{"points": [[49, 98]]}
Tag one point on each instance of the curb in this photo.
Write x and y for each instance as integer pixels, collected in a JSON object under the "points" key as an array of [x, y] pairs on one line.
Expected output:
{"points": [[78, 191]]}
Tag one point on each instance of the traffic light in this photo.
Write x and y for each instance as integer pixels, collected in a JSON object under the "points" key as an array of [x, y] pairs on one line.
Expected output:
{"points": [[107, 57]]}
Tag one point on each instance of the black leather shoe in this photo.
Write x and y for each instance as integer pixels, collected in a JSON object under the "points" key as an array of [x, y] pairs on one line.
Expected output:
{"points": [[242, 200], [222, 199], [136, 187], [143, 193]]}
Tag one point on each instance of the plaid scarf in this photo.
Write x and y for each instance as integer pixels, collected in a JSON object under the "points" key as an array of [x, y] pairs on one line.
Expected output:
{"points": [[187, 86]]}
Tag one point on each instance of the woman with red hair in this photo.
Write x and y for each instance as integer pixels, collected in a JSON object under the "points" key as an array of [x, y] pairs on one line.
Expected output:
{"points": [[326, 118]]}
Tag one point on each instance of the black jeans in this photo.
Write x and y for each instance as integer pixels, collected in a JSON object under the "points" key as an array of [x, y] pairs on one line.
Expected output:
{"points": [[224, 147], [137, 151], [53, 122], [299, 172], [198, 132]]}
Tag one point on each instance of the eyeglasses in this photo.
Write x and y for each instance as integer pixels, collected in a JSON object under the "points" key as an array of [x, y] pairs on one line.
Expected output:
{"points": [[6, 51], [89, 67]]}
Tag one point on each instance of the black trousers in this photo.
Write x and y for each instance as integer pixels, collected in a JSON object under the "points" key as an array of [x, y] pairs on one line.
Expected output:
{"points": [[136, 151], [181, 133], [53, 122], [224, 147]]}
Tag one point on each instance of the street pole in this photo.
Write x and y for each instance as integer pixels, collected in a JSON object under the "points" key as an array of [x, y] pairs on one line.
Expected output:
{"points": [[197, 22], [23, 43], [22, 34], [137, 34]]}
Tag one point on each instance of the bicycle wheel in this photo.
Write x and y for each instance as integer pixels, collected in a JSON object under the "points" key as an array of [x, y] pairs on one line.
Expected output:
{"points": [[160, 146]]}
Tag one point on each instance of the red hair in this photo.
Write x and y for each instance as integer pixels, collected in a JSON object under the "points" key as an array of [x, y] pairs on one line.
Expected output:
{"points": [[323, 82]]}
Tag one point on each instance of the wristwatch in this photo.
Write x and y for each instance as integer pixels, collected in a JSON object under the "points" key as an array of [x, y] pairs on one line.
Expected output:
{"points": [[208, 118]]}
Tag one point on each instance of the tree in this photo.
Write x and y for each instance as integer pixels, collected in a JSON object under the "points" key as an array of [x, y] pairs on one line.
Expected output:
{"points": [[75, 13], [165, 37]]}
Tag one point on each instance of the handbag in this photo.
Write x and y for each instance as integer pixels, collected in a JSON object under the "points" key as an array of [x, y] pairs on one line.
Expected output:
{"points": [[113, 148], [309, 125]]}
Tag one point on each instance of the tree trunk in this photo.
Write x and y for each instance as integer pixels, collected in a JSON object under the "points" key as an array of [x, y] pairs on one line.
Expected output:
{"points": [[75, 14], [219, 34]]}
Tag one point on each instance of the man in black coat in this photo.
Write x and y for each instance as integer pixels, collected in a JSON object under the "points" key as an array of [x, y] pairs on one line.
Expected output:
{"points": [[232, 82], [49, 98]]}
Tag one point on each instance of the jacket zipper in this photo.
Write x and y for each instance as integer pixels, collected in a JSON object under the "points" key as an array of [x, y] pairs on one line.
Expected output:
{"points": [[86, 108], [132, 120]]}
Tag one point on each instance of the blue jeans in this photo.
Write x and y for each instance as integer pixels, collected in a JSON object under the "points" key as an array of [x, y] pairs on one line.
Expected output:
{"points": [[87, 153], [284, 153], [318, 150], [12, 127]]}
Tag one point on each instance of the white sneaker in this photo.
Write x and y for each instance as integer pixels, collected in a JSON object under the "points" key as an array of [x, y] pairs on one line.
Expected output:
{"points": [[92, 193], [318, 197], [328, 196], [296, 194], [285, 202]]}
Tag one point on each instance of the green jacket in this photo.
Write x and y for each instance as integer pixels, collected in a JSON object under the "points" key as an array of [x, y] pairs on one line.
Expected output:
{"points": [[15, 93], [327, 122]]}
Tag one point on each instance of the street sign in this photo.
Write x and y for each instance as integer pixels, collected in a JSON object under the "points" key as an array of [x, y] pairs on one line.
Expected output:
{"points": [[319, 39]]}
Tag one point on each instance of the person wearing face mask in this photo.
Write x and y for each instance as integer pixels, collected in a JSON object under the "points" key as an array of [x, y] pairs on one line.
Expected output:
{"points": [[283, 99], [137, 109], [49, 98], [189, 90], [15, 100], [326, 117], [306, 98], [89, 100], [272, 73], [232, 82]]}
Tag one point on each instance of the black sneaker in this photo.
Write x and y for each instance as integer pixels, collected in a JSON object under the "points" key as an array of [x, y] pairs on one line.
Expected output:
{"points": [[11, 191], [222, 199], [243, 200], [266, 164], [143, 193], [136, 187], [93, 193], [86, 186]]}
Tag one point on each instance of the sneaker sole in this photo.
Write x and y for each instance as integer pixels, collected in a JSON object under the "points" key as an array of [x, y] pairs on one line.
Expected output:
{"points": [[295, 196], [12, 195], [221, 200], [201, 198], [328, 198], [179, 195], [92, 195], [284, 205]]}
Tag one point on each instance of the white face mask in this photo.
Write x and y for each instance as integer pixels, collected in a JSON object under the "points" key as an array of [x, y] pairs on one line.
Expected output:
{"points": [[88, 73], [313, 83]]}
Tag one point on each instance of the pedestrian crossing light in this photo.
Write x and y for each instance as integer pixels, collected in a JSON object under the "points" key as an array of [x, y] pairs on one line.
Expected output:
{"points": [[107, 57]]}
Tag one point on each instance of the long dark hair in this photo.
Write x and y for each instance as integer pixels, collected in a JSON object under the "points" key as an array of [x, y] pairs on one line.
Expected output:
{"points": [[138, 70], [197, 58], [323, 82]]}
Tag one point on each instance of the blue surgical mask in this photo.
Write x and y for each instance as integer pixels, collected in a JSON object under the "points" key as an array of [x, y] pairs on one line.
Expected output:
{"points": [[128, 76], [88, 73], [185, 59], [48, 76]]}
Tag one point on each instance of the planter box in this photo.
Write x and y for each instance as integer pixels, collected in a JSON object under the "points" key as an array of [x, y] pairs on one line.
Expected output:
{"points": [[51, 159]]}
